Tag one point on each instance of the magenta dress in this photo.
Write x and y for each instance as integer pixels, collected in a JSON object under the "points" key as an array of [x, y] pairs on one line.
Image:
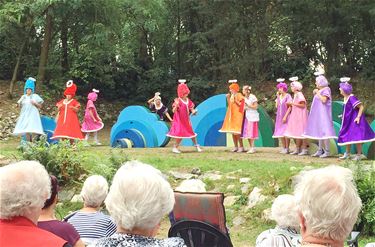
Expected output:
{"points": [[282, 108], [351, 132], [297, 118], [319, 123], [89, 125], [181, 125]]}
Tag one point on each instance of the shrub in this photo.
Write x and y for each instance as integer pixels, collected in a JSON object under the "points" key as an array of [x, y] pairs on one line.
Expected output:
{"points": [[365, 178], [61, 159]]}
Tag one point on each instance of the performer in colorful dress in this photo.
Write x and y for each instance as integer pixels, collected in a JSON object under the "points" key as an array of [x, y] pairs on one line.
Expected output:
{"points": [[250, 125], [29, 121], [319, 123], [354, 127], [67, 126], [155, 105], [181, 125], [234, 116], [92, 123], [298, 117], [282, 100]]}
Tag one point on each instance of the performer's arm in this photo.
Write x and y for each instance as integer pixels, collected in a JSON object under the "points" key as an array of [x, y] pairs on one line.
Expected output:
{"points": [[360, 111], [287, 114], [168, 116], [91, 111]]}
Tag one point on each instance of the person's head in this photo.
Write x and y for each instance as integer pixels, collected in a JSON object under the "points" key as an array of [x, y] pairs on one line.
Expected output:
{"points": [[182, 89], [52, 200], [70, 90], [24, 187], [345, 87], [329, 203], [94, 191], [295, 85], [234, 87], [93, 96], [29, 86], [282, 87], [284, 211], [246, 90], [139, 197], [321, 82]]}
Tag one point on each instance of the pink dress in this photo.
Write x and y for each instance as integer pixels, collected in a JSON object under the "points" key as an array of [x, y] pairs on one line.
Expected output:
{"points": [[181, 125], [89, 125], [297, 118], [282, 108]]}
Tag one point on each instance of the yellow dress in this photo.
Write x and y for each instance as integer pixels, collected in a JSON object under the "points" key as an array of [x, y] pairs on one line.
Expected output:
{"points": [[234, 116]]}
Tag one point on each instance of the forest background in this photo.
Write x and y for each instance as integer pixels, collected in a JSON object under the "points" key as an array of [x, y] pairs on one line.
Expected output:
{"points": [[130, 49]]}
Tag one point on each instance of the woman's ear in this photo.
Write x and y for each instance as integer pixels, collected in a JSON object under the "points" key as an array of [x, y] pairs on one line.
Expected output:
{"points": [[302, 222]]}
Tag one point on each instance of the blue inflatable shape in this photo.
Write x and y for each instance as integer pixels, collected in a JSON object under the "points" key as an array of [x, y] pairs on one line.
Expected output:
{"points": [[49, 126], [153, 130], [367, 145], [124, 143], [211, 112], [134, 135]]}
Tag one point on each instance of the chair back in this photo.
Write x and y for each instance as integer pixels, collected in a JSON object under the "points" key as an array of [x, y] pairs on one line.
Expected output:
{"points": [[199, 234]]}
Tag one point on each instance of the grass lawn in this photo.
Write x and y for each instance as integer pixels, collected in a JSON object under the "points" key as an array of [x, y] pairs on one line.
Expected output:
{"points": [[268, 170]]}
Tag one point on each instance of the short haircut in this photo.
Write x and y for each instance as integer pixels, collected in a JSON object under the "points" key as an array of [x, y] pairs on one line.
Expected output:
{"points": [[54, 191], [284, 211], [328, 201], [94, 191], [24, 187], [139, 196]]}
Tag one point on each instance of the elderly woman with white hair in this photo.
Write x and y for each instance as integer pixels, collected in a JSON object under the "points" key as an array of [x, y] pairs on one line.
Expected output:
{"points": [[138, 199], [90, 222], [24, 187], [329, 205], [285, 212]]}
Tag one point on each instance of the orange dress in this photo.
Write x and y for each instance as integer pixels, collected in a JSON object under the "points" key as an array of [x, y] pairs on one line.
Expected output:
{"points": [[234, 116]]}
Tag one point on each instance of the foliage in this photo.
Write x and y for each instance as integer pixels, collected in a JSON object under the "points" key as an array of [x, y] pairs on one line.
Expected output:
{"points": [[60, 159], [366, 189]]}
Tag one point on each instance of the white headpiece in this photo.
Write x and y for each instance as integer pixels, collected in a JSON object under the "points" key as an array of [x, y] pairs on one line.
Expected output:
{"points": [[294, 78], [345, 79], [280, 80], [181, 80], [69, 83], [232, 81], [95, 90], [319, 72]]}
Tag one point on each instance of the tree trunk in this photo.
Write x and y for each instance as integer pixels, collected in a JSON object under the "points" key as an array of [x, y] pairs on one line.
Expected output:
{"points": [[15, 71], [64, 47], [45, 46]]}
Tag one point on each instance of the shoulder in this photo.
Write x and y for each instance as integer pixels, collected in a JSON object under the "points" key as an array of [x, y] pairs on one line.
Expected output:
{"points": [[253, 97]]}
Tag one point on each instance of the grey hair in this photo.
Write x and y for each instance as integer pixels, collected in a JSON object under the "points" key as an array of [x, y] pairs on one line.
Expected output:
{"points": [[139, 196], [284, 211], [24, 187], [94, 191], [329, 202]]}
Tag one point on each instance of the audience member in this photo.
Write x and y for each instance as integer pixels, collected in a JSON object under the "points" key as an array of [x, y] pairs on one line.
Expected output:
{"points": [[48, 221], [285, 212], [90, 222], [329, 205], [24, 187], [138, 199]]}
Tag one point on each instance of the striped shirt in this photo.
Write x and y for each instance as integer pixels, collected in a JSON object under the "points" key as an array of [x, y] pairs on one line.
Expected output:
{"points": [[91, 226]]}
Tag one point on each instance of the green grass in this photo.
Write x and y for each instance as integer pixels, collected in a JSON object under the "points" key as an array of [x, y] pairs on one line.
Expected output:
{"points": [[266, 169]]}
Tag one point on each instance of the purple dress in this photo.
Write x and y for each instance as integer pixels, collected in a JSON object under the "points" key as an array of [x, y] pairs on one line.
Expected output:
{"points": [[319, 123], [282, 108], [351, 132]]}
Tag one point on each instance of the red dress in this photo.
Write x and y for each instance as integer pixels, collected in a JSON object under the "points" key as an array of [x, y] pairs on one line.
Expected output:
{"points": [[68, 124], [181, 125]]}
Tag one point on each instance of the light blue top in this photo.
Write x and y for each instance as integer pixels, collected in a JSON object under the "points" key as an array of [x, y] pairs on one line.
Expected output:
{"points": [[29, 120]]}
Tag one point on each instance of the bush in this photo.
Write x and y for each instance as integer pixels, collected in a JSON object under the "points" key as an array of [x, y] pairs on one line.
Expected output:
{"points": [[60, 160], [366, 188]]}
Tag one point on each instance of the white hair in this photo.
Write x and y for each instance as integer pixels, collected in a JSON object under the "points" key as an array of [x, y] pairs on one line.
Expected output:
{"points": [[139, 196], [284, 211], [24, 187], [329, 202], [191, 185], [94, 191]]}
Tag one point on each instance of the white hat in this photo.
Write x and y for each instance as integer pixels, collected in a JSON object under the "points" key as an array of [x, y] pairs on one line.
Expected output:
{"points": [[319, 72], [31, 79], [69, 83], [294, 78], [280, 80], [345, 79], [181, 80], [95, 90], [232, 81]]}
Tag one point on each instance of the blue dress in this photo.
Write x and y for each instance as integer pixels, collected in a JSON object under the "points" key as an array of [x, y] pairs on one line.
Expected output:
{"points": [[29, 120]]}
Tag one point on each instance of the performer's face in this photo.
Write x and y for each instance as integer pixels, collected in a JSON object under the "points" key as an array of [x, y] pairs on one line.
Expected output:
{"points": [[29, 91], [68, 96]]}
